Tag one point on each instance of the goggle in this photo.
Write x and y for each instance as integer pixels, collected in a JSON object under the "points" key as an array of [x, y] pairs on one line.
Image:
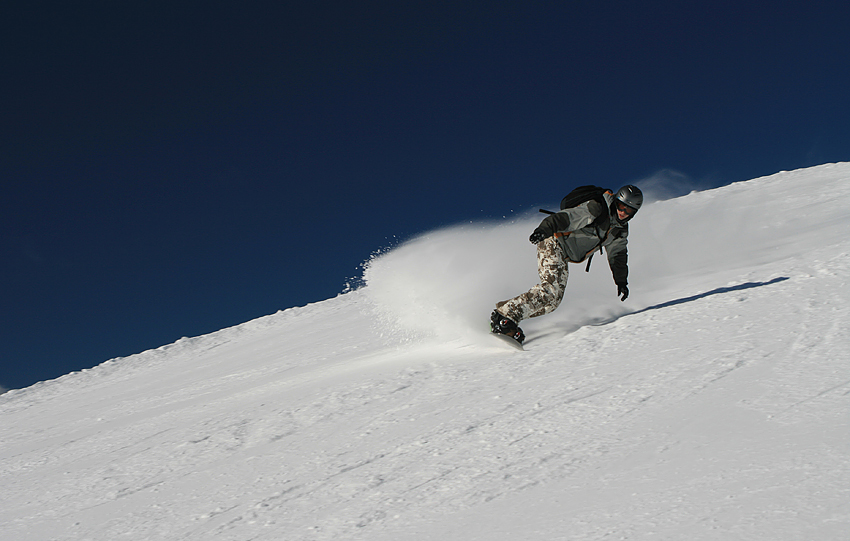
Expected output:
{"points": [[622, 207]]}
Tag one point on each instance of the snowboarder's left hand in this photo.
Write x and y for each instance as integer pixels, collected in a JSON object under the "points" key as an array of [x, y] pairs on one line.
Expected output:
{"points": [[622, 291], [537, 236]]}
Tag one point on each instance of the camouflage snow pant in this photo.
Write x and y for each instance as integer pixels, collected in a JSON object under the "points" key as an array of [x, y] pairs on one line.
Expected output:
{"points": [[547, 295]]}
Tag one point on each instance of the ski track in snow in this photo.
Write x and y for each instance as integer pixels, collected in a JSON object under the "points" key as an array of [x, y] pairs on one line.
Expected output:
{"points": [[710, 405]]}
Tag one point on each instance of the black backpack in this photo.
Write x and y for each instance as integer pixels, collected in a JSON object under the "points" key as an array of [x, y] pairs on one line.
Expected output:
{"points": [[583, 194]]}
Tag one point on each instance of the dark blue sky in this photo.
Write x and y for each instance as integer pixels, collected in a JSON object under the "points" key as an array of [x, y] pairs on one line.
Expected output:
{"points": [[169, 169]]}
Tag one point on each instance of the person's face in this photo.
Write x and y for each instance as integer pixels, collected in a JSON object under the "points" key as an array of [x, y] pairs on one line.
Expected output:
{"points": [[624, 212]]}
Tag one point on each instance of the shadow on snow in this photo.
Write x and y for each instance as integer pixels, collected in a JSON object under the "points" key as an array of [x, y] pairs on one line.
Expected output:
{"points": [[718, 291]]}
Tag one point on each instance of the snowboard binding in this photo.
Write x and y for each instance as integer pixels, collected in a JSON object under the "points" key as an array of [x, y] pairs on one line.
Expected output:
{"points": [[499, 324]]}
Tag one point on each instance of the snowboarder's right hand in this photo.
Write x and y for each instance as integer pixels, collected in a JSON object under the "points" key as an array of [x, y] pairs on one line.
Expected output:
{"points": [[537, 236]]}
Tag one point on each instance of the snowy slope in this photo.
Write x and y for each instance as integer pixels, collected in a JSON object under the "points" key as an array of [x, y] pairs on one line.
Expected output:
{"points": [[713, 404]]}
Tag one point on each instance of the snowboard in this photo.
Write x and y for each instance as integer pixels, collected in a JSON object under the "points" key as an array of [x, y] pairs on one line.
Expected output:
{"points": [[508, 340]]}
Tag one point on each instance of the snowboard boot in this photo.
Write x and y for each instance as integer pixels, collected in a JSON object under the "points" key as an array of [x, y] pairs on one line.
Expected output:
{"points": [[499, 324]]}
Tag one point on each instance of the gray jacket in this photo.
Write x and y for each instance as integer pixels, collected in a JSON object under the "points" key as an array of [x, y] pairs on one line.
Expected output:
{"points": [[579, 237]]}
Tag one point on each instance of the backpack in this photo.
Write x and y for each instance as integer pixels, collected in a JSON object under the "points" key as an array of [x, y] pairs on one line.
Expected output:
{"points": [[583, 194]]}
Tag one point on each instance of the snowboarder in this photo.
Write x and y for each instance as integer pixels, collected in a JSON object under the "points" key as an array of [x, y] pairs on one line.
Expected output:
{"points": [[571, 236]]}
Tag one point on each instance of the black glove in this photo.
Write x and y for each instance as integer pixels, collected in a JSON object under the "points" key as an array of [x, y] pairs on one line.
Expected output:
{"points": [[622, 291], [537, 236]]}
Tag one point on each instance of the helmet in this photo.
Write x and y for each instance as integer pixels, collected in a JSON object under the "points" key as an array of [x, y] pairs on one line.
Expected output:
{"points": [[630, 196]]}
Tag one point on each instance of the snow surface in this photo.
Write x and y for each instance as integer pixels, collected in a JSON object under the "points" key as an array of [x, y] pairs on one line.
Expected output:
{"points": [[712, 404]]}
